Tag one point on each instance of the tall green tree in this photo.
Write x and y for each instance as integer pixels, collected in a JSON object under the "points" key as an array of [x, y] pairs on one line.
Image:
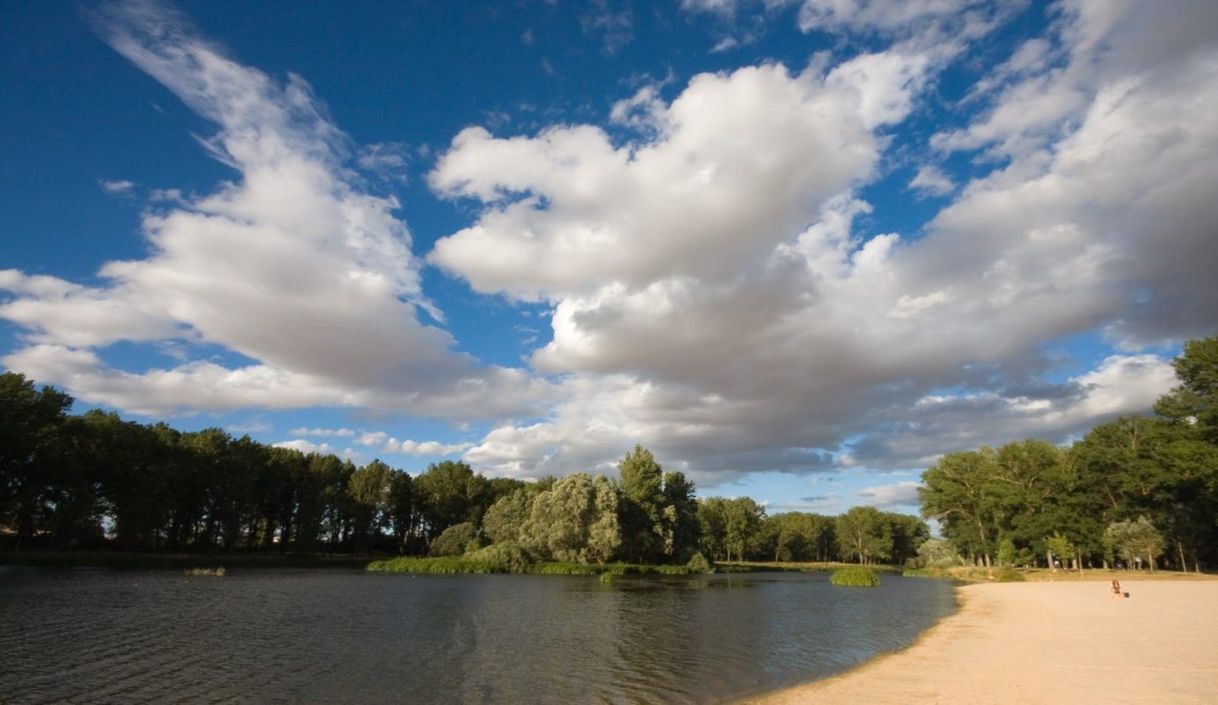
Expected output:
{"points": [[681, 528], [30, 419], [450, 493], [798, 536], [1195, 400], [1134, 540], [864, 534], [403, 510], [742, 526], [961, 492], [575, 520], [642, 506], [712, 518], [369, 494]]}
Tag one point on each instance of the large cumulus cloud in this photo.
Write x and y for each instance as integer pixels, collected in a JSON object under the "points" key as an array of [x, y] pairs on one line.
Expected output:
{"points": [[804, 345]]}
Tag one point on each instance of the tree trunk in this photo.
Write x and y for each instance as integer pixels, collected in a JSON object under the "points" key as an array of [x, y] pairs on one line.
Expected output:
{"points": [[1049, 558], [1183, 565], [1078, 560], [1150, 559]]}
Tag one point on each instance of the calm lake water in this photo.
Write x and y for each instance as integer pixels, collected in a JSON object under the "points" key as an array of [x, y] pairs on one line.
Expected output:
{"points": [[282, 636]]}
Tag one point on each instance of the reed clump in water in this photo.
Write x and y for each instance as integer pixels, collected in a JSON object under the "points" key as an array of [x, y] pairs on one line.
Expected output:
{"points": [[854, 577], [208, 572]]}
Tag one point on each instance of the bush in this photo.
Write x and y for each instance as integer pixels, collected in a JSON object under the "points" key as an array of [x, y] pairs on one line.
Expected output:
{"points": [[854, 577], [509, 557], [1007, 574], [454, 540], [938, 553], [505, 557], [443, 565], [699, 564]]}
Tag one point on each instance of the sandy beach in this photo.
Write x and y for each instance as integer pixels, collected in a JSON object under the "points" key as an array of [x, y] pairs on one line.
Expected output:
{"points": [[1045, 643]]}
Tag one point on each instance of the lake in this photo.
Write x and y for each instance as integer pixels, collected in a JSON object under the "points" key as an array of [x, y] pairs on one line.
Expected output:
{"points": [[331, 636]]}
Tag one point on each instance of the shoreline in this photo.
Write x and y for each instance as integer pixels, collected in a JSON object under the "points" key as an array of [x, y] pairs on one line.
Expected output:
{"points": [[1045, 642]]}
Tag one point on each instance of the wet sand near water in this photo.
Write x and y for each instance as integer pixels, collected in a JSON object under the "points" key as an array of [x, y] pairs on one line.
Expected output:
{"points": [[1047, 643]]}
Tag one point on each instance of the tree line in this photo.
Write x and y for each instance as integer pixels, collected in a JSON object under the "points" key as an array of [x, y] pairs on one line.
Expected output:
{"points": [[96, 480], [1140, 490]]}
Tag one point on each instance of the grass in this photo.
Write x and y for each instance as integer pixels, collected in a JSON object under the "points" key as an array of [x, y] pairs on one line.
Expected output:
{"points": [[854, 576], [801, 567], [124, 560], [471, 564]]}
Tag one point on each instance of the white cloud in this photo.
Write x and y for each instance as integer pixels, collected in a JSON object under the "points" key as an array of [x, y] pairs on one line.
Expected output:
{"points": [[116, 186], [291, 265], [567, 212], [387, 160], [803, 335], [719, 7], [914, 435], [883, 16], [932, 181], [256, 425], [308, 447], [711, 296], [388, 444], [372, 438], [323, 432], [425, 447], [610, 21], [893, 495]]}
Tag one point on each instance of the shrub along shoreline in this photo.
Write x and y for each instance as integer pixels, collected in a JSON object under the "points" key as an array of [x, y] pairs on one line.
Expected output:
{"points": [[471, 565]]}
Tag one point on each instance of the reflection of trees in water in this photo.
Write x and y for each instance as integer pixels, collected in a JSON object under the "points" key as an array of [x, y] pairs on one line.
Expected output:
{"points": [[679, 640]]}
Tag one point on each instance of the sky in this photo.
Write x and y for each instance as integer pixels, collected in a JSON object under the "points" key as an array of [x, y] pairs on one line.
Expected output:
{"points": [[797, 248]]}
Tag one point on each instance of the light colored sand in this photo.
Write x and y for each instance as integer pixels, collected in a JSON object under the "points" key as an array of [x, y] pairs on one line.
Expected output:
{"points": [[1046, 643]]}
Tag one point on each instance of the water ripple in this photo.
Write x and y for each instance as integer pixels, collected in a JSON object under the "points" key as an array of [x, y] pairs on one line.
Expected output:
{"points": [[329, 636]]}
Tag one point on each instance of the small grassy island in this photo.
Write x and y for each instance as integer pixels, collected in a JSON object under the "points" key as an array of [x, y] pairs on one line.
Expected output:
{"points": [[854, 577]]}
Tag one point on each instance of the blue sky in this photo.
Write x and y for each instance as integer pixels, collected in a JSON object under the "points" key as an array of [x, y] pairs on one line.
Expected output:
{"points": [[799, 249]]}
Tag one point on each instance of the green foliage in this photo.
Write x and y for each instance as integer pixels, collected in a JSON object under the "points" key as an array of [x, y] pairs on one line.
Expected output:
{"points": [[368, 492], [1134, 539], [1195, 401], [506, 517], [505, 557], [403, 510], [1007, 574], [938, 553], [451, 493], [854, 577], [1006, 552], [681, 530], [1061, 547], [1048, 500], [799, 537], [698, 564], [455, 539], [440, 565], [30, 421], [642, 505], [510, 558], [576, 520], [961, 491], [864, 534]]}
